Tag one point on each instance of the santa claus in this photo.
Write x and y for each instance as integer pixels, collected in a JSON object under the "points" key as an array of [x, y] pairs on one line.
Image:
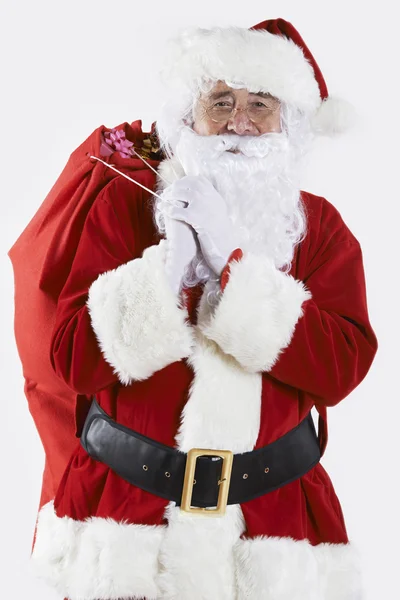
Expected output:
{"points": [[207, 322]]}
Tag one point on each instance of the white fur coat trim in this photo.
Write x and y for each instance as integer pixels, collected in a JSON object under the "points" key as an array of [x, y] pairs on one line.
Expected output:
{"points": [[285, 569], [140, 324], [222, 412], [102, 559], [257, 313], [96, 559]]}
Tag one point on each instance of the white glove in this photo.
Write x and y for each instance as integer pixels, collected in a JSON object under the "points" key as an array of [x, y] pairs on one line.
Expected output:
{"points": [[181, 249], [206, 211]]}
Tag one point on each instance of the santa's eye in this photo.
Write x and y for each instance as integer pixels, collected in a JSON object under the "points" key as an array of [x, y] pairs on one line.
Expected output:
{"points": [[223, 103]]}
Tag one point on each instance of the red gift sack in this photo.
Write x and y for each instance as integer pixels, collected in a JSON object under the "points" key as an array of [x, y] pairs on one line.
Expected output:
{"points": [[41, 258]]}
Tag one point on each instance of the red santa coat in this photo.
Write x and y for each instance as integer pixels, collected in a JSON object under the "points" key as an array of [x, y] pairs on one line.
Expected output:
{"points": [[235, 378]]}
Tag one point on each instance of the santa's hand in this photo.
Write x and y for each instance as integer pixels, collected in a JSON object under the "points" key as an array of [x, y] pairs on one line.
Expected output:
{"points": [[202, 207], [181, 249]]}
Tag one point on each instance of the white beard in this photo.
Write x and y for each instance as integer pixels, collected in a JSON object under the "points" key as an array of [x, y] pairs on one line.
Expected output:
{"points": [[261, 186]]}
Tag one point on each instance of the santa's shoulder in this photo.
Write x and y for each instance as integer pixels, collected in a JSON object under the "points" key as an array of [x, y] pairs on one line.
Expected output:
{"points": [[325, 224]]}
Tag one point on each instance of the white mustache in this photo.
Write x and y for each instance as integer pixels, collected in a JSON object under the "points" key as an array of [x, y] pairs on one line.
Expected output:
{"points": [[252, 146], [247, 145]]}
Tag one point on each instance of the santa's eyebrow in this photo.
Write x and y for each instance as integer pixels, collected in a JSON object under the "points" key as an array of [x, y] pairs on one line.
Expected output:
{"points": [[217, 95]]}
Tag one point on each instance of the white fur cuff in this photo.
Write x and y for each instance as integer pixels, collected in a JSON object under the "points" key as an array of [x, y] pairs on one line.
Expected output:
{"points": [[257, 314], [283, 569], [138, 320], [96, 558]]}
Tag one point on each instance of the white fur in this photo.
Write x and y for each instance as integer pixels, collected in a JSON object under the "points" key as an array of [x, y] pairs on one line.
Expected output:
{"points": [[285, 569], [193, 558], [96, 559], [255, 59], [138, 320], [334, 116], [223, 409], [222, 412], [196, 556], [257, 314]]}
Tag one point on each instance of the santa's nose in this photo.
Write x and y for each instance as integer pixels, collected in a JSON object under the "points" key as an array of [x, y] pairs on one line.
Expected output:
{"points": [[240, 123]]}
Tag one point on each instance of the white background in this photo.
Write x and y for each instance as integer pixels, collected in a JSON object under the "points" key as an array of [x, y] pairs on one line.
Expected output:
{"points": [[68, 67]]}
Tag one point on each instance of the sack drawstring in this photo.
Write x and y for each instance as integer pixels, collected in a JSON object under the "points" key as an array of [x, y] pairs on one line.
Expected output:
{"points": [[127, 176]]}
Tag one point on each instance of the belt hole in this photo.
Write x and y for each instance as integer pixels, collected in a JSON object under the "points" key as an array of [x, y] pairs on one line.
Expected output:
{"points": [[167, 474], [245, 476], [266, 470], [145, 468], [194, 482]]}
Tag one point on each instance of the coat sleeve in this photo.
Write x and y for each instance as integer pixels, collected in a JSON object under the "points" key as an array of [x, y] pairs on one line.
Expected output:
{"points": [[117, 318], [314, 335]]}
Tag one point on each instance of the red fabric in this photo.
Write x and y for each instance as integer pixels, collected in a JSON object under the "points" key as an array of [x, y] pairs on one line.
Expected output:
{"points": [[332, 343], [41, 258], [286, 29], [331, 352], [236, 255]]}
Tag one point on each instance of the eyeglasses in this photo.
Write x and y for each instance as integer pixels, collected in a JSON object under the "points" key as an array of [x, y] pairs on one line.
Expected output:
{"points": [[257, 112]]}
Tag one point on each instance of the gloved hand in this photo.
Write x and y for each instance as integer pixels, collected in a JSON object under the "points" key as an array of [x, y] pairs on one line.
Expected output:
{"points": [[181, 249], [205, 210]]}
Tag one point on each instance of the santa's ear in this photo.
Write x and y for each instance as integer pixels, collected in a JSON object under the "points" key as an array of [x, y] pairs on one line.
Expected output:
{"points": [[334, 116]]}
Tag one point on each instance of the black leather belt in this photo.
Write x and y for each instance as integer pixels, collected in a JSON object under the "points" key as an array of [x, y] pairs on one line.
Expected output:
{"points": [[196, 479]]}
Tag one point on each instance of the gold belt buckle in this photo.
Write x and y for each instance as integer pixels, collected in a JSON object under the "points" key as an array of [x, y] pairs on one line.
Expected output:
{"points": [[224, 482]]}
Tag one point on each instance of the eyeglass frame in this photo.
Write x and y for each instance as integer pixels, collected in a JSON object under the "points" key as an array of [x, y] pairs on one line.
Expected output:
{"points": [[235, 110]]}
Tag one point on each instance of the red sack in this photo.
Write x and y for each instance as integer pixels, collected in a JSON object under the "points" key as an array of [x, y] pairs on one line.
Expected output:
{"points": [[41, 258]]}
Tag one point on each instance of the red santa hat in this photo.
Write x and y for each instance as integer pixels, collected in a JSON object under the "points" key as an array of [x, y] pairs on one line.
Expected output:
{"points": [[269, 57]]}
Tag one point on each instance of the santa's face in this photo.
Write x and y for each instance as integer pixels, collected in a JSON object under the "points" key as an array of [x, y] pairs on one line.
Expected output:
{"points": [[225, 109], [259, 184], [254, 164]]}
